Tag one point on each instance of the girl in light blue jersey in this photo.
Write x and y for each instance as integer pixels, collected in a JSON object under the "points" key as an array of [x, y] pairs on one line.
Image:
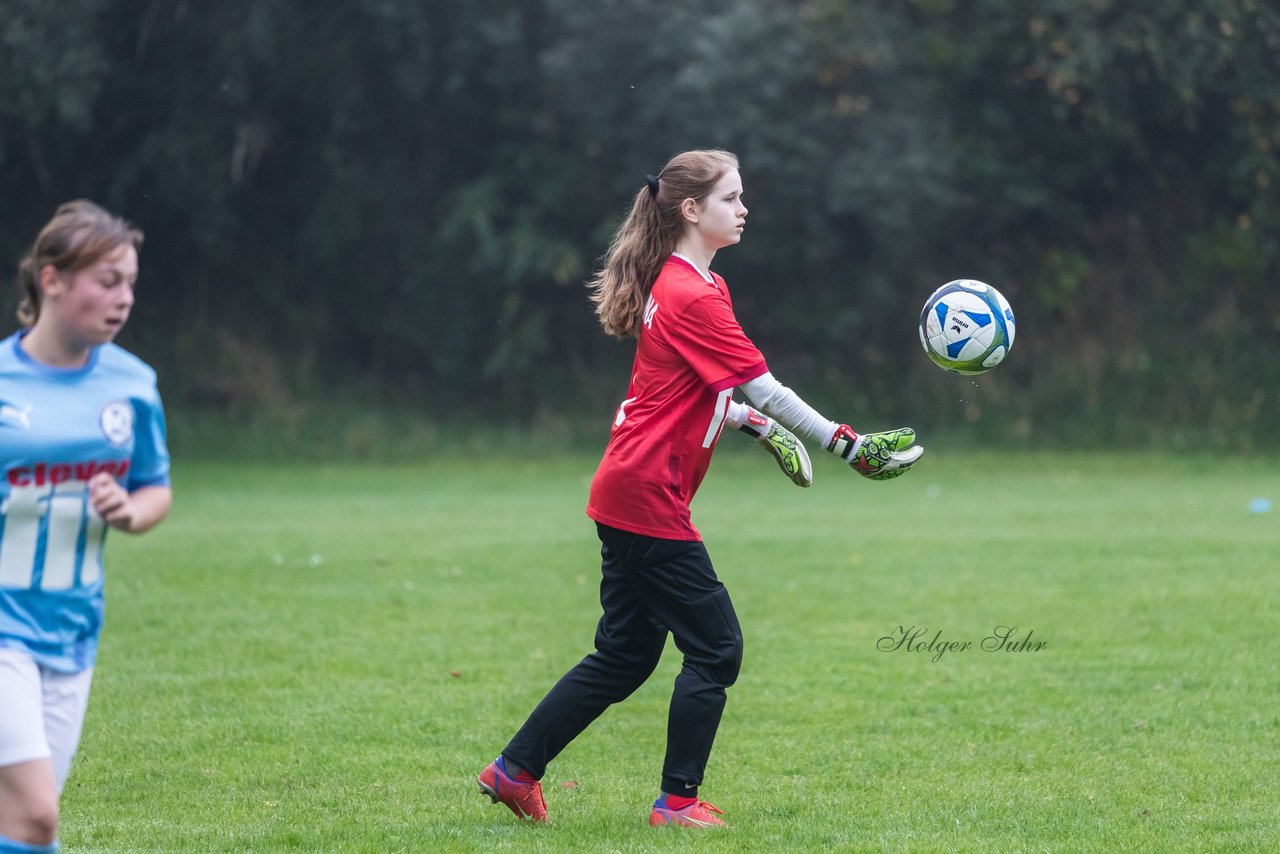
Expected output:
{"points": [[82, 448]]}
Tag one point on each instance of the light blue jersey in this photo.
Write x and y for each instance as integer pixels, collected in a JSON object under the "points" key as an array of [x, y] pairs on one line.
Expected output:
{"points": [[58, 428]]}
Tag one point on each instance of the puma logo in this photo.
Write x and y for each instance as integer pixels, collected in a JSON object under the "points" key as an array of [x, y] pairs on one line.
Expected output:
{"points": [[10, 414]]}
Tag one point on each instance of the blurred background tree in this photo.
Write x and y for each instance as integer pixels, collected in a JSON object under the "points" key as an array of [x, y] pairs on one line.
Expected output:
{"points": [[391, 204]]}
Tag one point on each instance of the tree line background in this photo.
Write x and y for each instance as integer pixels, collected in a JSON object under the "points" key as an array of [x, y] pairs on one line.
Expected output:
{"points": [[364, 206]]}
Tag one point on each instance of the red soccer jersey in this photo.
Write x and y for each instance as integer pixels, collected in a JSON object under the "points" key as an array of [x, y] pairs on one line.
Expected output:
{"points": [[691, 355]]}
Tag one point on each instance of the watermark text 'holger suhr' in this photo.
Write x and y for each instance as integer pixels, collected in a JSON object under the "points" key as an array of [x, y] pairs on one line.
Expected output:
{"points": [[918, 639]]}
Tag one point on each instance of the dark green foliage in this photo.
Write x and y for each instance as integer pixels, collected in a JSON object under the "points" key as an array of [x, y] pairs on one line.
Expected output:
{"points": [[397, 202]]}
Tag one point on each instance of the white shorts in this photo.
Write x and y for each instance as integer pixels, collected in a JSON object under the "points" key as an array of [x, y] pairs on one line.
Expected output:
{"points": [[42, 712]]}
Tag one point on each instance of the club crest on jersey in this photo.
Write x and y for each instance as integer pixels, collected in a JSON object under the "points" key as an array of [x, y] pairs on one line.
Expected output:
{"points": [[117, 422], [17, 416]]}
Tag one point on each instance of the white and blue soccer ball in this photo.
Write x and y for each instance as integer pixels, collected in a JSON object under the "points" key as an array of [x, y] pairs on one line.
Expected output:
{"points": [[967, 327]]}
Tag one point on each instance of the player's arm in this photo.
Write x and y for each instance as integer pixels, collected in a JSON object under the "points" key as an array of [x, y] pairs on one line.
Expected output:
{"points": [[879, 456], [133, 512], [709, 338], [788, 451]]}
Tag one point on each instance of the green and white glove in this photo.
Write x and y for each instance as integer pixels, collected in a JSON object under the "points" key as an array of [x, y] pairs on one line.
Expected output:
{"points": [[788, 451], [878, 456]]}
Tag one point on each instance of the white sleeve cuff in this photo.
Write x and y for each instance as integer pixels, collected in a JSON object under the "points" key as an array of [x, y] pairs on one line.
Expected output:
{"points": [[736, 415], [784, 405]]}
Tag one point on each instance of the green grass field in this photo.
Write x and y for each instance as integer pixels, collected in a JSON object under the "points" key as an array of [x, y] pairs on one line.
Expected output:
{"points": [[321, 658]]}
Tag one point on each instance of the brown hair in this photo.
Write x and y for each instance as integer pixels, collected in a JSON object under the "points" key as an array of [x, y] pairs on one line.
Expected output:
{"points": [[649, 234], [78, 236]]}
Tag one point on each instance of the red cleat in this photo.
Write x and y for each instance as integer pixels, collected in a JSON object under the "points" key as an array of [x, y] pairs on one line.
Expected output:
{"points": [[697, 814], [523, 799]]}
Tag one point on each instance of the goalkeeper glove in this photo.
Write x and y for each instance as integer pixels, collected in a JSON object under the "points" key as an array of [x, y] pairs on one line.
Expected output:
{"points": [[879, 456], [782, 445]]}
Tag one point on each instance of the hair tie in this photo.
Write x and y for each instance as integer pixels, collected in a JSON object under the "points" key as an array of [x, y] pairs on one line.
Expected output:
{"points": [[652, 183]]}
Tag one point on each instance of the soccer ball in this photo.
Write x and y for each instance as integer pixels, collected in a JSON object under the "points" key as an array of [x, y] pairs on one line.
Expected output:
{"points": [[966, 327]]}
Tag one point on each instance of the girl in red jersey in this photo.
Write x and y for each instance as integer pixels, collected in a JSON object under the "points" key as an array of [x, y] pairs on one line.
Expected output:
{"points": [[657, 286]]}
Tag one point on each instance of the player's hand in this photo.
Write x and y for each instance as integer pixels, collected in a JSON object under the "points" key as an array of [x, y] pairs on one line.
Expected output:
{"points": [[111, 501], [788, 451], [878, 456]]}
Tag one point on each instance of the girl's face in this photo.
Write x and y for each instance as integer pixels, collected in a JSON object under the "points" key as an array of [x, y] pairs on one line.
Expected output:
{"points": [[721, 218], [91, 305]]}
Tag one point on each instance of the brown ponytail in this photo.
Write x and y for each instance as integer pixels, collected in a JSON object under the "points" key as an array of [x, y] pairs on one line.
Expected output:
{"points": [[28, 292], [649, 234]]}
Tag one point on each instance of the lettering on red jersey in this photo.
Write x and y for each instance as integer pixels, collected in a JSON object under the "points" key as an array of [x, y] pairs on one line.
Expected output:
{"points": [[622, 412], [717, 419], [650, 309]]}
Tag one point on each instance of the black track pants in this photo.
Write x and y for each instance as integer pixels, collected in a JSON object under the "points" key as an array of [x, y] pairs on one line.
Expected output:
{"points": [[648, 587]]}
